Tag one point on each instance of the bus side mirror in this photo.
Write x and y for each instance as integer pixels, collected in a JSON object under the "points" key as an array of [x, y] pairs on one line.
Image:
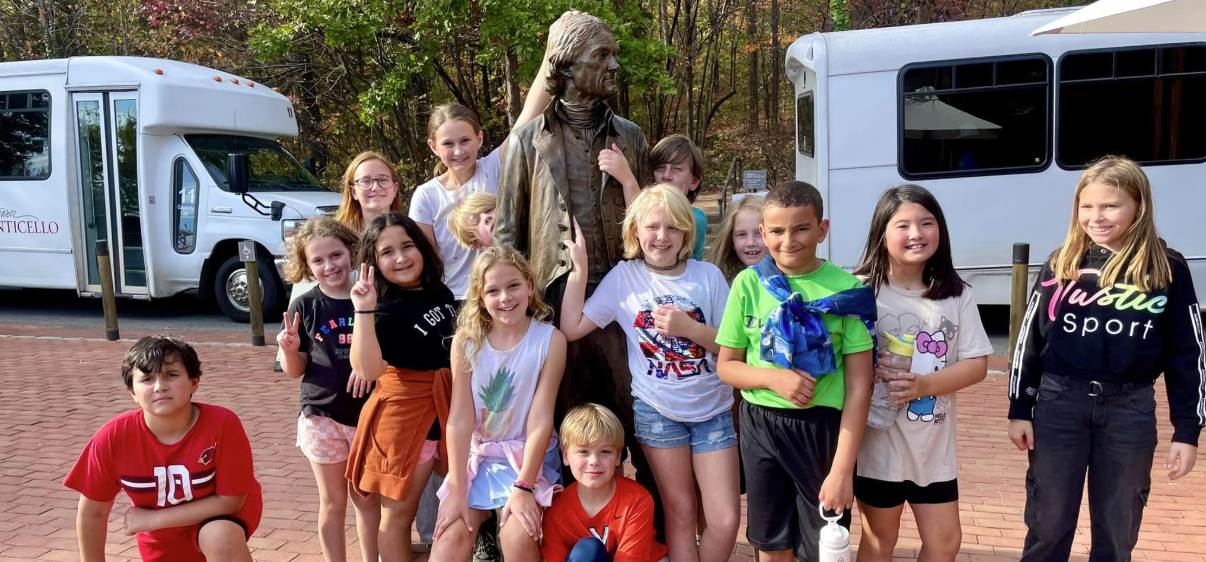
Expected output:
{"points": [[312, 166], [238, 173], [278, 209]]}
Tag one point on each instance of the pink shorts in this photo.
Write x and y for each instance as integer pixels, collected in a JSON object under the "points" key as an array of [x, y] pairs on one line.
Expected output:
{"points": [[429, 451], [324, 440]]}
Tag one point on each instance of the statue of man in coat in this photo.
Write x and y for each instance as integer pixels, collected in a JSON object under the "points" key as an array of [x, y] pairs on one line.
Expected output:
{"points": [[551, 177]]}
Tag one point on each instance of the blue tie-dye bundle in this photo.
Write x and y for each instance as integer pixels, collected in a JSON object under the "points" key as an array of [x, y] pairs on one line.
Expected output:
{"points": [[794, 335]]}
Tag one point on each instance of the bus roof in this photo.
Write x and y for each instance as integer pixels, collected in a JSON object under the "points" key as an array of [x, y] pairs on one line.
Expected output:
{"points": [[890, 48], [175, 97]]}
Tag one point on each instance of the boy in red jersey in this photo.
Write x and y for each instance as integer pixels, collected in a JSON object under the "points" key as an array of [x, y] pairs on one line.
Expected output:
{"points": [[185, 466], [601, 517]]}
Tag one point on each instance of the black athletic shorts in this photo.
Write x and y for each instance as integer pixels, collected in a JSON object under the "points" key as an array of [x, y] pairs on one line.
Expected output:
{"points": [[787, 454], [884, 494]]}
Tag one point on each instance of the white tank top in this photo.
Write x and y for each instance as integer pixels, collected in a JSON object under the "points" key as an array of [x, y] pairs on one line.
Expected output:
{"points": [[504, 383]]}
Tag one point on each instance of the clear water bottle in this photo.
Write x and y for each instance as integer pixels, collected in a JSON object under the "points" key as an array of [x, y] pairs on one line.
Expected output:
{"points": [[896, 358], [835, 540]]}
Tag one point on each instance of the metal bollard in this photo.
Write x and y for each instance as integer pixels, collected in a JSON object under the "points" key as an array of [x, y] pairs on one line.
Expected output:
{"points": [[254, 294], [1017, 292], [105, 269]]}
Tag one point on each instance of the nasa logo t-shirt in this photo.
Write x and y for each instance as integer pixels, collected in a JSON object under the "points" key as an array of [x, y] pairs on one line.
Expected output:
{"points": [[675, 376]]}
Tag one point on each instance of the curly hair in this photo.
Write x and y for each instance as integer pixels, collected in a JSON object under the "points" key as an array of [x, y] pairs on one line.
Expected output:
{"points": [[474, 321], [297, 269]]}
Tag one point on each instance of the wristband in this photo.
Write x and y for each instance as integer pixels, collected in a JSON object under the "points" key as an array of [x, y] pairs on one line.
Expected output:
{"points": [[366, 312], [522, 485]]}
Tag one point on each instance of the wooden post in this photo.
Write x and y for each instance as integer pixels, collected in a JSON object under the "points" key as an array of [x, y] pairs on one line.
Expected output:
{"points": [[105, 269], [1017, 293], [254, 294]]}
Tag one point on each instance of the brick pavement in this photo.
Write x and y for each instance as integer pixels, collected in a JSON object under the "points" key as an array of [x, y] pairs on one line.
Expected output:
{"points": [[59, 389]]}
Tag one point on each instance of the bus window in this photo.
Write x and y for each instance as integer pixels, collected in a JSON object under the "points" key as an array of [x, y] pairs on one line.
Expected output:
{"points": [[24, 135], [184, 213], [1143, 103], [974, 117], [805, 127]]}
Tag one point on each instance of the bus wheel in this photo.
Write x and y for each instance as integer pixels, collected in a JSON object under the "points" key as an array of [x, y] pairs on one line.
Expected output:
{"points": [[231, 290]]}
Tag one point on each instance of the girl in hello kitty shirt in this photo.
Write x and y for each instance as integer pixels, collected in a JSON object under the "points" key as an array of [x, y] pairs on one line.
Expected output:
{"points": [[919, 294]]}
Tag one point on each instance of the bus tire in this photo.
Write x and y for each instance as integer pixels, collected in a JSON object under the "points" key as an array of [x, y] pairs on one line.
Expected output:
{"points": [[231, 289]]}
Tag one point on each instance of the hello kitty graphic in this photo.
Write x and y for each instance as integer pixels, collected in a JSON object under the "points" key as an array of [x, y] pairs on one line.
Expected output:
{"points": [[930, 355]]}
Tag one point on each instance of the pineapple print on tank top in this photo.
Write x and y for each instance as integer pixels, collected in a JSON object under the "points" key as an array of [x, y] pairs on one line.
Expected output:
{"points": [[504, 383]]}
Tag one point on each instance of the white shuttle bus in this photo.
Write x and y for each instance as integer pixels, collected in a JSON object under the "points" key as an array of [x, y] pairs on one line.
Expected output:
{"points": [[999, 125], [135, 151]]}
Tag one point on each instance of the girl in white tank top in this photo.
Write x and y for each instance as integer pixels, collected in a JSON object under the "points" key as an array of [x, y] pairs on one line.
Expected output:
{"points": [[507, 363]]}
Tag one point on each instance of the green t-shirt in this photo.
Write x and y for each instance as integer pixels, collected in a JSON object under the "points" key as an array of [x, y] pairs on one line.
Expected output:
{"points": [[748, 307], [701, 233]]}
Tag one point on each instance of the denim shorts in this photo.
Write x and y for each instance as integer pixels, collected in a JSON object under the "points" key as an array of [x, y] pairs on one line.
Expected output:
{"points": [[660, 432]]}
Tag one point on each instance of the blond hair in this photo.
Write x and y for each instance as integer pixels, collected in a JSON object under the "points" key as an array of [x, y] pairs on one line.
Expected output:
{"points": [[297, 269], [591, 424], [722, 253], [464, 216], [444, 113], [1143, 260], [350, 213], [661, 196], [473, 322]]}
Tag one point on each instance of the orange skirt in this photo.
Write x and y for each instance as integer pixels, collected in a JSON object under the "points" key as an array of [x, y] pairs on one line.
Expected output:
{"points": [[393, 425]]}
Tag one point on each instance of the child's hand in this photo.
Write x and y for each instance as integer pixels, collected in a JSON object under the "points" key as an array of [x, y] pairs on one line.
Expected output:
{"points": [[1021, 432], [577, 250], [287, 339], [907, 387], [1186, 454], [139, 520], [670, 320], [364, 292], [522, 505], [837, 492], [794, 385], [612, 162], [454, 508], [359, 387]]}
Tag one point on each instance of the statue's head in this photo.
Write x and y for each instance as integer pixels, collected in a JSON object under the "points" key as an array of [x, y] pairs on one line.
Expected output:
{"points": [[582, 58]]}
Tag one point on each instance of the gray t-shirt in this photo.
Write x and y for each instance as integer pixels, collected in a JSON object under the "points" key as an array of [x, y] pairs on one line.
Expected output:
{"points": [[920, 446]]}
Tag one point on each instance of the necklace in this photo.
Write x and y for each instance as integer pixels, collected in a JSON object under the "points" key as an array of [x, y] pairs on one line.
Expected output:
{"points": [[662, 267]]}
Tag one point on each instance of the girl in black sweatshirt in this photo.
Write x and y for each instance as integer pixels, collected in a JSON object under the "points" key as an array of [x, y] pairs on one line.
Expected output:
{"points": [[1111, 310]]}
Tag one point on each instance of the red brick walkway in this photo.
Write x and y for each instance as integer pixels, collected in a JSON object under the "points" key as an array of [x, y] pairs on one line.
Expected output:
{"points": [[57, 391]]}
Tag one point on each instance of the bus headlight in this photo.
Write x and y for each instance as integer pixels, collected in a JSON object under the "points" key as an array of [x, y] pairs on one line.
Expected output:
{"points": [[289, 227]]}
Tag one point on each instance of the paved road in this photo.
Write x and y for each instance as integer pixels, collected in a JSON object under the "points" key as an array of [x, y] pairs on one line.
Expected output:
{"points": [[186, 313]]}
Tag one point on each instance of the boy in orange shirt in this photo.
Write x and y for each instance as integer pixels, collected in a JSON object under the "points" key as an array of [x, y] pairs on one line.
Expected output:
{"points": [[601, 517]]}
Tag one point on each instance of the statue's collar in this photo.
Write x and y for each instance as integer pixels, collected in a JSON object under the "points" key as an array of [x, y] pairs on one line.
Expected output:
{"points": [[608, 118]]}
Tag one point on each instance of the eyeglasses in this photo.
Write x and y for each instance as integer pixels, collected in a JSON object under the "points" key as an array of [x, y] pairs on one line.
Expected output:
{"points": [[366, 184]]}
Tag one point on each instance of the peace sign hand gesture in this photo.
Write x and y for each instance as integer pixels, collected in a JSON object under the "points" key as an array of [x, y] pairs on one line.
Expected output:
{"points": [[364, 292], [288, 339]]}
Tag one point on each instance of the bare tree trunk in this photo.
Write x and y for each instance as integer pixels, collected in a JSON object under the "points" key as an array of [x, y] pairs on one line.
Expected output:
{"points": [[776, 65], [514, 97], [751, 30]]}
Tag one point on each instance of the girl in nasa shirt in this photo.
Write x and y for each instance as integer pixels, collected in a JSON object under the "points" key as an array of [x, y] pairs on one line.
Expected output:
{"points": [[1111, 310], [669, 307]]}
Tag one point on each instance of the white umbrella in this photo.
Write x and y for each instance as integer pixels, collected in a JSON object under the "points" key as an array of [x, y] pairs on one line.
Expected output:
{"points": [[929, 117], [1132, 16]]}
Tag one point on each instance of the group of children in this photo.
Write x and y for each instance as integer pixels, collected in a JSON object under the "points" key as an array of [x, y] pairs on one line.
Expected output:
{"points": [[424, 348]]}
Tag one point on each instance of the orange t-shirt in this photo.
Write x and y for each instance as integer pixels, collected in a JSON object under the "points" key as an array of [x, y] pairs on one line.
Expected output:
{"points": [[625, 525]]}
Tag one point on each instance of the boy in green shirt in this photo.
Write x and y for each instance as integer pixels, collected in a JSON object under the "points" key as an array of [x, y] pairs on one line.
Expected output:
{"points": [[800, 433]]}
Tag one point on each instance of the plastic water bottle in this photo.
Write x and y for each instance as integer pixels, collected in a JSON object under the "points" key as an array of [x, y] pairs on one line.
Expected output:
{"points": [[835, 540], [896, 357]]}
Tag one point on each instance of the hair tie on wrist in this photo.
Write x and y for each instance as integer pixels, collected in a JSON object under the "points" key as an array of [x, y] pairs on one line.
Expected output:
{"points": [[366, 312]]}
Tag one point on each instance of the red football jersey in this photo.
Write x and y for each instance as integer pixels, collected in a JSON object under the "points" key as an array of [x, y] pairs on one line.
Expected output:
{"points": [[625, 525], [214, 457]]}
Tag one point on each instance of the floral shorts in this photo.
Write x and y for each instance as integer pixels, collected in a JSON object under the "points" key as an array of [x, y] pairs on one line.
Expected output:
{"points": [[324, 440]]}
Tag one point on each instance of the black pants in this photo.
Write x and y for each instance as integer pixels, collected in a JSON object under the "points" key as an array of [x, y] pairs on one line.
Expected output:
{"points": [[596, 370], [1112, 436]]}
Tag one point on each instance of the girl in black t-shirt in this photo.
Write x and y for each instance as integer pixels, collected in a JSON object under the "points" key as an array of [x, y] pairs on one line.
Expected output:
{"points": [[315, 344], [405, 318]]}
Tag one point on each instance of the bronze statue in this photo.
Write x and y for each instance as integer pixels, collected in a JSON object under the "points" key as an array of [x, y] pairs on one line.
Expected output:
{"points": [[550, 176]]}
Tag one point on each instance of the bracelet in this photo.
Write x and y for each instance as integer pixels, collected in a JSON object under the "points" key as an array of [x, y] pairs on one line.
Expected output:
{"points": [[522, 485], [366, 312]]}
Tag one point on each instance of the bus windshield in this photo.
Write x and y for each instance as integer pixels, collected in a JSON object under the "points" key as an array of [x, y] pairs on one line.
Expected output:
{"points": [[272, 168]]}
